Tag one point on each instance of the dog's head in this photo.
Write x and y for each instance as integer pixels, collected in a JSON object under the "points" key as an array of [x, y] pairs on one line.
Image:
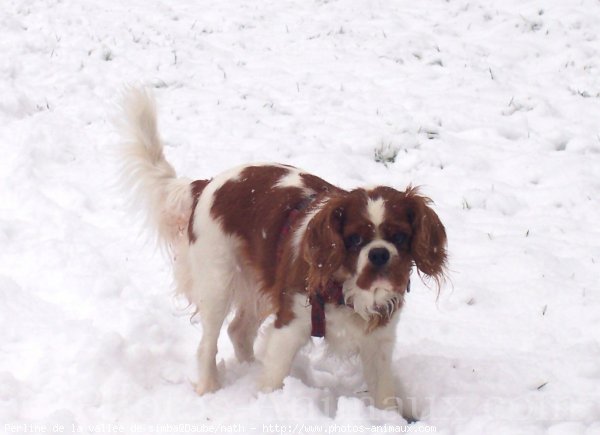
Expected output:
{"points": [[368, 241]]}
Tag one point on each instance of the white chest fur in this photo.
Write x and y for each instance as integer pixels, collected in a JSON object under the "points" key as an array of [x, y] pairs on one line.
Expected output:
{"points": [[346, 330]]}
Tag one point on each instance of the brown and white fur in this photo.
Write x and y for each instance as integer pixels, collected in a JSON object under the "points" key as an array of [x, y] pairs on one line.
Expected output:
{"points": [[236, 247]]}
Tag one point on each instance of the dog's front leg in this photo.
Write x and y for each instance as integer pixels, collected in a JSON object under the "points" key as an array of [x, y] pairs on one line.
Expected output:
{"points": [[376, 356], [376, 350], [282, 346]]}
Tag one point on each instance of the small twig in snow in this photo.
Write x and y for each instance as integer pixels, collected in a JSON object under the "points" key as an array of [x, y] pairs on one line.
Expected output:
{"points": [[223, 71]]}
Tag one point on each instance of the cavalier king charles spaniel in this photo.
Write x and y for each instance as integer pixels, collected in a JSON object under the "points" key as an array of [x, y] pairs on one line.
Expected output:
{"points": [[266, 239]]}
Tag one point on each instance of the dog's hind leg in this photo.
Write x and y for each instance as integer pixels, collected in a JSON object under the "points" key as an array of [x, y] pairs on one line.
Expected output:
{"points": [[213, 302], [242, 332], [212, 293]]}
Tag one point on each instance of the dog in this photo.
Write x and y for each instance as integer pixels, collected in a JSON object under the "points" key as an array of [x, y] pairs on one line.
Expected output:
{"points": [[265, 239]]}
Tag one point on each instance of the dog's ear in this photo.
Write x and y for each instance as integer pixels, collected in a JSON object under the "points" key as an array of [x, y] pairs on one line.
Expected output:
{"points": [[323, 245], [428, 243]]}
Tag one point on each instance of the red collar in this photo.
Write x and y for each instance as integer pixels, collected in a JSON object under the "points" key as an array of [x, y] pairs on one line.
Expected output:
{"points": [[333, 294]]}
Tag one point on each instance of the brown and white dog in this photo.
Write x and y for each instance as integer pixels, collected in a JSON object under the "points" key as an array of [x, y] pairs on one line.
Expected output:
{"points": [[272, 239]]}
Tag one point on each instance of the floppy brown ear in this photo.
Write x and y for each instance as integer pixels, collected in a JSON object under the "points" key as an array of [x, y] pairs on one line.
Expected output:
{"points": [[428, 244], [323, 245]]}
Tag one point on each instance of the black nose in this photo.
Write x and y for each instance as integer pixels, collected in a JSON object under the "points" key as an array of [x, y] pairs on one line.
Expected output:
{"points": [[379, 256]]}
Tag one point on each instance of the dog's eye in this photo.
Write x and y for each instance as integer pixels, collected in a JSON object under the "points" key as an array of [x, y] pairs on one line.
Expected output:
{"points": [[399, 238], [354, 240]]}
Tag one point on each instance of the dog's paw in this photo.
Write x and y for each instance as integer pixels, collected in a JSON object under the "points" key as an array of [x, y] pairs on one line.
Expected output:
{"points": [[244, 357], [266, 389], [268, 384], [389, 403], [408, 410], [207, 385]]}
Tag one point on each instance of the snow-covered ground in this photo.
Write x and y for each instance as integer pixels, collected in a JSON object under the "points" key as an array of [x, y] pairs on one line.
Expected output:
{"points": [[493, 107]]}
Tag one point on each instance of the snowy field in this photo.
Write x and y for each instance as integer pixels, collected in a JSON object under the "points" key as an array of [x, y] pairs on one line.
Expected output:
{"points": [[493, 107]]}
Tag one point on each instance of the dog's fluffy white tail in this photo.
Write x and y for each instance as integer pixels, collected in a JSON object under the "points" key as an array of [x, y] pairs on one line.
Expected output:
{"points": [[165, 199]]}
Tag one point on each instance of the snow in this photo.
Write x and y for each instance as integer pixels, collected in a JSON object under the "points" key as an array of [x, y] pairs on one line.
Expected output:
{"points": [[493, 107]]}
